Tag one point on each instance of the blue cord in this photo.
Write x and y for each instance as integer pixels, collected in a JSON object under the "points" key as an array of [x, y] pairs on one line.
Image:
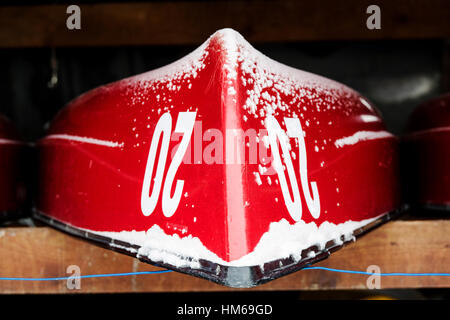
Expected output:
{"points": [[401, 274], [89, 276], [165, 271]]}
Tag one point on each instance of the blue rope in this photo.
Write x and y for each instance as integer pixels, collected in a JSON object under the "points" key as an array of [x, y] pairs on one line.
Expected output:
{"points": [[402, 274], [89, 276]]}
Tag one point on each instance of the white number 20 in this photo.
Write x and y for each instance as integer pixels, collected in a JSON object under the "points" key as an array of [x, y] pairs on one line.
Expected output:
{"points": [[185, 124], [293, 130]]}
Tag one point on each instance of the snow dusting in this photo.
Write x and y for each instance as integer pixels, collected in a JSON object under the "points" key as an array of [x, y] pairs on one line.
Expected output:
{"points": [[282, 240]]}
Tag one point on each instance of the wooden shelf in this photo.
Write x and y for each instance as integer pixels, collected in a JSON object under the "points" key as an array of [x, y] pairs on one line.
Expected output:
{"points": [[397, 246], [191, 22]]}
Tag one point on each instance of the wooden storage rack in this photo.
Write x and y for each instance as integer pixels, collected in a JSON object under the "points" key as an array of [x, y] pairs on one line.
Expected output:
{"points": [[397, 246]]}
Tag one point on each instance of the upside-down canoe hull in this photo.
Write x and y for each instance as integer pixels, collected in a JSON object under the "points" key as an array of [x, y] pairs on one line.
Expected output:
{"points": [[226, 165], [427, 155]]}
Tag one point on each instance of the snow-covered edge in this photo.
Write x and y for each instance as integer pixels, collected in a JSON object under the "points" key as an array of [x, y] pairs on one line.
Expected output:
{"points": [[282, 240]]}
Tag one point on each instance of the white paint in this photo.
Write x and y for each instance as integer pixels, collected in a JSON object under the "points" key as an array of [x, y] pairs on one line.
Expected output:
{"points": [[164, 128], [89, 140], [294, 130], [362, 136], [185, 125], [275, 133]]}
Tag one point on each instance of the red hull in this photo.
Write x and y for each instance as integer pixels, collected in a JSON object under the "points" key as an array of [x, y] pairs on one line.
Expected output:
{"points": [[337, 169], [427, 154]]}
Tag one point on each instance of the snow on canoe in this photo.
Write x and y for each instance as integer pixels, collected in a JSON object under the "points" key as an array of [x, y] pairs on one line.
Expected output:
{"points": [[225, 165]]}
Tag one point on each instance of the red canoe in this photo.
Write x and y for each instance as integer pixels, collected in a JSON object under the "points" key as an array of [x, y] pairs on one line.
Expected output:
{"points": [[225, 165], [427, 154], [12, 187]]}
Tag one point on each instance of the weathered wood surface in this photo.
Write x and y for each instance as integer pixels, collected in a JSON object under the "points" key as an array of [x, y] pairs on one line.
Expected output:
{"points": [[191, 22], [398, 246]]}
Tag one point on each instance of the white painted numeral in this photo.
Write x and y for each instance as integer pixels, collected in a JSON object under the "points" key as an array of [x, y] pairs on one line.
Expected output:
{"points": [[293, 204], [185, 125], [294, 130], [275, 132]]}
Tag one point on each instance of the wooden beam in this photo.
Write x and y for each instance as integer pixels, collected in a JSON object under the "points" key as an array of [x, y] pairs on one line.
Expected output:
{"points": [[191, 22], [398, 246]]}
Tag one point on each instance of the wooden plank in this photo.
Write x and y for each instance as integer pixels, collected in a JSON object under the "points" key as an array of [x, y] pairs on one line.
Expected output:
{"points": [[191, 22], [398, 246]]}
